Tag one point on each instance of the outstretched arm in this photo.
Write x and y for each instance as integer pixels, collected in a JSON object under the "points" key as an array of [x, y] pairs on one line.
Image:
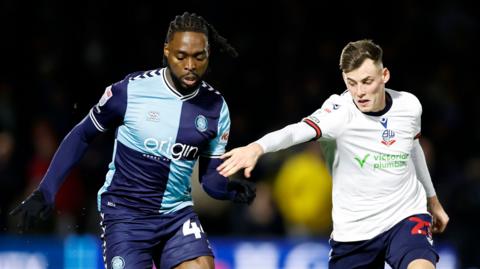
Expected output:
{"points": [[69, 153], [440, 217], [40, 203], [107, 113], [247, 156], [242, 157]]}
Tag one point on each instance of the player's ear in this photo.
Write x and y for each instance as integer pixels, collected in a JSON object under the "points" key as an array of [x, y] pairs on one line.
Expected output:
{"points": [[166, 50], [385, 75]]}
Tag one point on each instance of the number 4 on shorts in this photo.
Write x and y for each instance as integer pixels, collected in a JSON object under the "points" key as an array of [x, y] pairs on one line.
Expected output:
{"points": [[191, 227]]}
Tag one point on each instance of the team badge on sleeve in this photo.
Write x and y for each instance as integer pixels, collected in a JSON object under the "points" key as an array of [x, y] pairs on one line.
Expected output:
{"points": [[314, 119], [224, 137], [328, 108], [106, 95]]}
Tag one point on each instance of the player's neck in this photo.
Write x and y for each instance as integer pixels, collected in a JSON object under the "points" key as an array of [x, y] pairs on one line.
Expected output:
{"points": [[386, 106], [177, 85]]}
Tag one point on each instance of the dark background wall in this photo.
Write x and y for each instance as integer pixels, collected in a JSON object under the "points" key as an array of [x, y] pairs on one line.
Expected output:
{"points": [[56, 58]]}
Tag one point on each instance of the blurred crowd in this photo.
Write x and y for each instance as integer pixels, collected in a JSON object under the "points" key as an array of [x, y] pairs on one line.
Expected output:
{"points": [[57, 60]]}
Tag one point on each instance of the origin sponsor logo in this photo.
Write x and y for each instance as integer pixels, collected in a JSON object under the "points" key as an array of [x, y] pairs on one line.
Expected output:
{"points": [[177, 151]]}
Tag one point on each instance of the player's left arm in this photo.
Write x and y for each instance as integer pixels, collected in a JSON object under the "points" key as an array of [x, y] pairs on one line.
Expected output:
{"points": [[223, 188], [440, 217], [214, 184]]}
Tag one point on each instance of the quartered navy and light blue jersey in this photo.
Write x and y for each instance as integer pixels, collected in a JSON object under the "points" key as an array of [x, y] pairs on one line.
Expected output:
{"points": [[159, 136]]}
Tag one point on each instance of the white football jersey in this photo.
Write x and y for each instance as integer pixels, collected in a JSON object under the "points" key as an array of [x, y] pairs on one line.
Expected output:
{"points": [[374, 180]]}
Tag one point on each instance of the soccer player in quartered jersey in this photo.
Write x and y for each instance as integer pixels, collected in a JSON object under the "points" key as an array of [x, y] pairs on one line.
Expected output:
{"points": [[164, 121], [381, 183], [162, 134]]}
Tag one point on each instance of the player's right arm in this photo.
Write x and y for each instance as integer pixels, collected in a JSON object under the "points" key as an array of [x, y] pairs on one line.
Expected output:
{"points": [[40, 203], [332, 116], [247, 156], [106, 114]]}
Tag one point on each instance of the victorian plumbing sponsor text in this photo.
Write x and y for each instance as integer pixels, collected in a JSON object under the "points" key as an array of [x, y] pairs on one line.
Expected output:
{"points": [[383, 160]]}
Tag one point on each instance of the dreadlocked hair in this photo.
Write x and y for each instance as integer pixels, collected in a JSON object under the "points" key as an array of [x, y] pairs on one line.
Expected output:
{"points": [[191, 22]]}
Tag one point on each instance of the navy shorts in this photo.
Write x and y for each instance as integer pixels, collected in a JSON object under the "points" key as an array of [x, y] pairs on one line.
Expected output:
{"points": [[137, 241], [408, 240]]}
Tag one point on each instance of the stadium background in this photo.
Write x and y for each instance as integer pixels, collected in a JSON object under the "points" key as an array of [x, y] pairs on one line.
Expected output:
{"points": [[57, 57]]}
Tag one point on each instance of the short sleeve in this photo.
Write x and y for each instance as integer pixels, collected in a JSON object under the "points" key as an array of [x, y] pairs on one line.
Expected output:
{"points": [[217, 146], [110, 110], [330, 120]]}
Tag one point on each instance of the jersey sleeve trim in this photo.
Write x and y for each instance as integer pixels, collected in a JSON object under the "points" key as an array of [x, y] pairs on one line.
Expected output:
{"points": [[315, 127], [95, 122], [211, 156], [417, 136]]}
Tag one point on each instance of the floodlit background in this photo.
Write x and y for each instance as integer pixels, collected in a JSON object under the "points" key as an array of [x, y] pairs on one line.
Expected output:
{"points": [[56, 58]]}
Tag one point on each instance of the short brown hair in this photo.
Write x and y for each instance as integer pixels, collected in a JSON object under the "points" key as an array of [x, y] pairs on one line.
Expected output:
{"points": [[355, 53]]}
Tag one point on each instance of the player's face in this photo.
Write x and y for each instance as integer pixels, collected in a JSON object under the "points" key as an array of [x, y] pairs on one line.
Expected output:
{"points": [[366, 84], [187, 56]]}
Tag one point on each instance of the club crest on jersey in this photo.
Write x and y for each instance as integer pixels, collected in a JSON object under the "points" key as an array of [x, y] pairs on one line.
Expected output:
{"points": [[387, 135], [118, 262], [201, 123]]}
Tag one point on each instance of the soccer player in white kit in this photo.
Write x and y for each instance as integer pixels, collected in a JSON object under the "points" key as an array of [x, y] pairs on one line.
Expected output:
{"points": [[384, 203]]}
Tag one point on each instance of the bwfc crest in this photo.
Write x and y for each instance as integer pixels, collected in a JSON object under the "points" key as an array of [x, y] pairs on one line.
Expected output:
{"points": [[388, 135]]}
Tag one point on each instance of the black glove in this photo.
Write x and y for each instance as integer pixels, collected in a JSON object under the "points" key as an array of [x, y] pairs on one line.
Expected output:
{"points": [[31, 210], [243, 190]]}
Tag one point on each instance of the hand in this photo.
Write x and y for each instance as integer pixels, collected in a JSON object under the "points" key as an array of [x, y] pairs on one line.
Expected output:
{"points": [[439, 216], [31, 210], [243, 190], [238, 158]]}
